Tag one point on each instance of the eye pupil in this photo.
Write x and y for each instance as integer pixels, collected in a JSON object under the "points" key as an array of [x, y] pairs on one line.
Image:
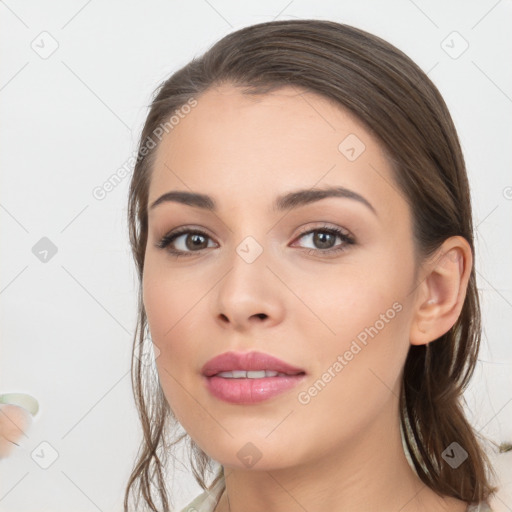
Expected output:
{"points": [[196, 241], [322, 239]]}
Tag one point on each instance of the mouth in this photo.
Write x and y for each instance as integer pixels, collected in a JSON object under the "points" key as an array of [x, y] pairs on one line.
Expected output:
{"points": [[232, 364], [248, 378], [255, 374]]}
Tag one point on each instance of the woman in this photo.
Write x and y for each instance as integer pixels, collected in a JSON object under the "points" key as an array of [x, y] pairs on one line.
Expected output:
{"points": [[301, 223]]}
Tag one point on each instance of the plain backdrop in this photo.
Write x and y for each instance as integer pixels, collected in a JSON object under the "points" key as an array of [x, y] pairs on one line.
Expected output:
{"points": [[76, 78]]}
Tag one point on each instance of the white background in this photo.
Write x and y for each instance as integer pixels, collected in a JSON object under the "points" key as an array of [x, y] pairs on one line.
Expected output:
{"points": [[70, 120]]}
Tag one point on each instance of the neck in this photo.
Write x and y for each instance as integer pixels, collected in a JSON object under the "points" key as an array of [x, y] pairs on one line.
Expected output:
{"points": [[370, 472]]}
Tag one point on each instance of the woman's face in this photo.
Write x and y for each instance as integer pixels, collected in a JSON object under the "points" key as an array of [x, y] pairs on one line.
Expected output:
{"points": [[271, 275]]}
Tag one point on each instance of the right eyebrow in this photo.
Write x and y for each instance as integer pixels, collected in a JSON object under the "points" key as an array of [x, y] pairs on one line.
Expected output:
{"points": [[187, 198]]}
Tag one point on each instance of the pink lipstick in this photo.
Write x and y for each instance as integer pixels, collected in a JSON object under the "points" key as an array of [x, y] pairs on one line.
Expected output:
{"points": [[251, 377]]}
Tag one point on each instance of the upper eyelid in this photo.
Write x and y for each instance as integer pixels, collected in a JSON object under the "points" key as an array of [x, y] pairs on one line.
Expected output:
{"points": [[325, 227], [183, 230]]}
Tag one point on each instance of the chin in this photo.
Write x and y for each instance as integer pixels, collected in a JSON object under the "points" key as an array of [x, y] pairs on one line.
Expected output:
{"points": [[253, 453]]}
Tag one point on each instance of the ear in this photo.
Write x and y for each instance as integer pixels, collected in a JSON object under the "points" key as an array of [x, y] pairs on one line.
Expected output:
{"points": [[441, 293]]}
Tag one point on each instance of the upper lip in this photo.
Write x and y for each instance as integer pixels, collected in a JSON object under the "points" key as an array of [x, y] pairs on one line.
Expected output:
{"points": [[249, 361]]}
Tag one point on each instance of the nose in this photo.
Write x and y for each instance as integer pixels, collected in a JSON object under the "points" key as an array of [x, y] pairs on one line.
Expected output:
{"points": [[249, 295]]}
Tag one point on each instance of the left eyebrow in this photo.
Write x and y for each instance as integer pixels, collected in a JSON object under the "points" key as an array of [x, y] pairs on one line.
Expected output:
{"points": [[284, 202], [306, 196]]}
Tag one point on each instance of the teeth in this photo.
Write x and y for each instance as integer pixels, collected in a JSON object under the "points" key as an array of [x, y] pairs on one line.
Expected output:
{"points": [[242, 374]]}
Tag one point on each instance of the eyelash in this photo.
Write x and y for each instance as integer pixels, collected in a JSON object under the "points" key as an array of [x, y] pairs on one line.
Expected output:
{"points": [[346, 239]]}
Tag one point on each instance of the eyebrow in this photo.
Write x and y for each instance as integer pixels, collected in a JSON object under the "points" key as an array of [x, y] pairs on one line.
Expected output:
{"points": [[284, 202]]}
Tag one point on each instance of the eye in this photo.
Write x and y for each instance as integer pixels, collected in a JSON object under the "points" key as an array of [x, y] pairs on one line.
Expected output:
{"points": [[184, 241], [324, 239]]}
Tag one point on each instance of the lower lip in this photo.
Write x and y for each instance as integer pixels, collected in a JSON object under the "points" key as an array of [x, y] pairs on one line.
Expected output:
{"points": [[250, 391]]}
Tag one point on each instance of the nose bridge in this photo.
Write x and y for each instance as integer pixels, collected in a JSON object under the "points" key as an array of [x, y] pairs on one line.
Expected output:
{"points": [[248, 292], [250, 250]]}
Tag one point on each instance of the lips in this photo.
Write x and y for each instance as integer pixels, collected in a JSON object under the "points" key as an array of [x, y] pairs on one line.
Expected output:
{"points": [[249, 378], [248, 362]]}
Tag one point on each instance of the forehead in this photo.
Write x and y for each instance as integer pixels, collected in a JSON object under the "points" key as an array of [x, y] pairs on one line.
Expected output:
{"points": [[284, 117], [264, 144]]}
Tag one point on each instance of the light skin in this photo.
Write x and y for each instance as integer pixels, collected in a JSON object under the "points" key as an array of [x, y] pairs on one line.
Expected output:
{"points": [[14, 423], [342, 450]]}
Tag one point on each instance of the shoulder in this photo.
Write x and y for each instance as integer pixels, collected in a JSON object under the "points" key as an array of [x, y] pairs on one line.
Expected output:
{"points": [[479, 507], [207, 500], [200, 504]]}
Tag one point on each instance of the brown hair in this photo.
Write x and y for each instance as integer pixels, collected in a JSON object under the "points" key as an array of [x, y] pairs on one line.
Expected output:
{"points": [[399, 104]]}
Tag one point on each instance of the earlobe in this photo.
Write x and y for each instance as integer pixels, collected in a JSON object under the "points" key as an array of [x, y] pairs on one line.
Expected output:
{"points": [[441, 294]]}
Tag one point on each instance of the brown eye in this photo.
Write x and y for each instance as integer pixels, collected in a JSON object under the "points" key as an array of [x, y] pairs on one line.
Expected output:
{"points": [[324, 240], [184, 242], [195, 241]]}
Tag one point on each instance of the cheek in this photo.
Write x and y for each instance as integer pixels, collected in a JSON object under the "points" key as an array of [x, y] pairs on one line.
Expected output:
{"points": [[166, 303], [362, 316], [175, 310], [167, 321], [356, 372], [169, 296], [348, 299]]}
